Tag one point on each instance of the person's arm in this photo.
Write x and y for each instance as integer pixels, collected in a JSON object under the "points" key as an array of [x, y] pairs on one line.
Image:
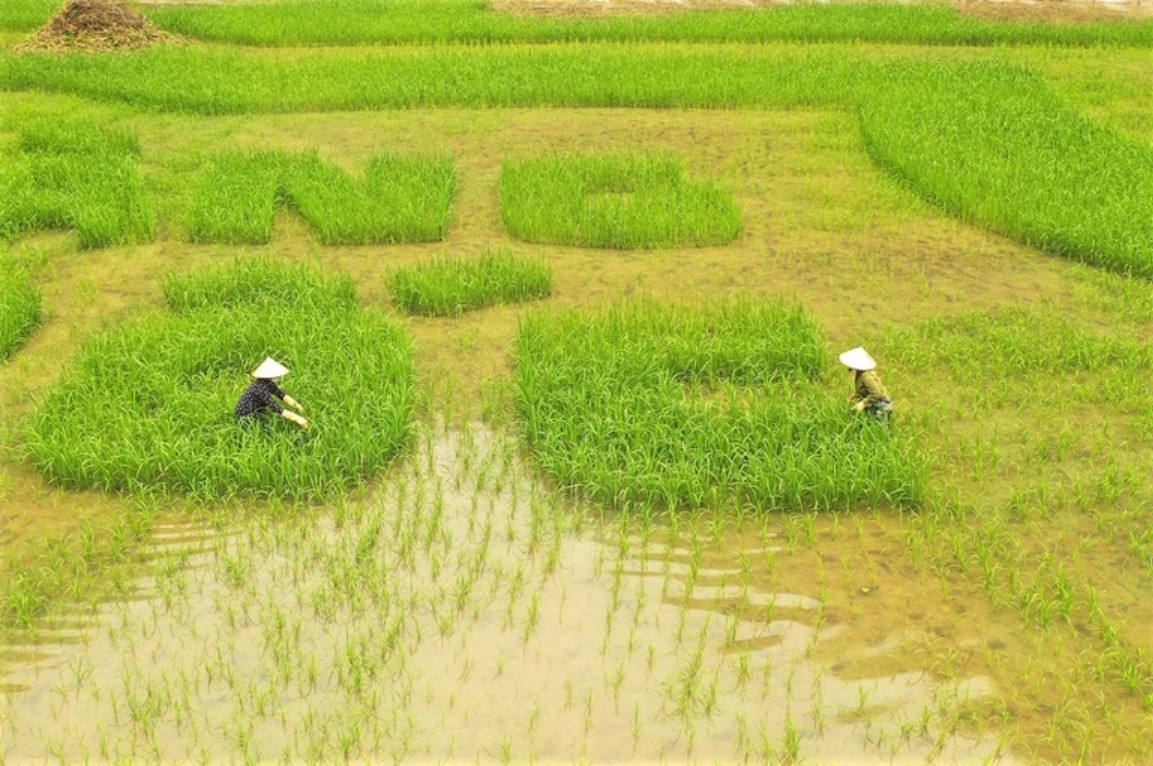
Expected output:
{"points": [[278, 391]]}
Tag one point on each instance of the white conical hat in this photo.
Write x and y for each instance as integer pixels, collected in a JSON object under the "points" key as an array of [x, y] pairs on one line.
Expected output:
{"points": [[857, 359], [270, 369]]}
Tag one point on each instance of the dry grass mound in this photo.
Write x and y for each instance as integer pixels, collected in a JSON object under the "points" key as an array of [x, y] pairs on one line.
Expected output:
{"points": [[95, 26]]}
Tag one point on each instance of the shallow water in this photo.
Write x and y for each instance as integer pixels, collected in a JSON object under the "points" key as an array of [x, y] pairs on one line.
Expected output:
{"points": [[463, 613]]}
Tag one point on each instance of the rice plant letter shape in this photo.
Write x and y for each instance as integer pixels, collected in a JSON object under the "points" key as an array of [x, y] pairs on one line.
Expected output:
{"points": [[401, 199], [446, 286], [71, 176], [168, 382], [711, 406], [20, 312], [615, 201]]}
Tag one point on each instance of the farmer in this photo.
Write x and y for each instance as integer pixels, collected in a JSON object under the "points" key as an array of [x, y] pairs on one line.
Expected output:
{"points": [[261, 395], [869, 395]]}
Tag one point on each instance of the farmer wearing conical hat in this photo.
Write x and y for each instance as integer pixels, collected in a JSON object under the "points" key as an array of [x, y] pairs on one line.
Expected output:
{"points": [[869, 395], [261, 396]]}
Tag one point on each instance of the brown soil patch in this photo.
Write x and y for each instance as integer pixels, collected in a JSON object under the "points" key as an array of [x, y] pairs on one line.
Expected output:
{"points": [[94, 26]]}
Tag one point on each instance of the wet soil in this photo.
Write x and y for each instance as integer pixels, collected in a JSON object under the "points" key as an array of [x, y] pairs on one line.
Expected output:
{"points": [[347, 635]]}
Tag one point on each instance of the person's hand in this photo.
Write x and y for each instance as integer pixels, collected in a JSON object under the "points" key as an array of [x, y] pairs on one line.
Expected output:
{"points": [[293, 404], [859, 406], [295, 419]]}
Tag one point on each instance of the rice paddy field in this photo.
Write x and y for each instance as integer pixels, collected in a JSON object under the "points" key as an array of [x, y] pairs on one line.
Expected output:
{"points": [[562, 298]]}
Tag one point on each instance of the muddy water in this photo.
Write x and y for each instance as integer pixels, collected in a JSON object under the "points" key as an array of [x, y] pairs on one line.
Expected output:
{"points": [[462, 613]]}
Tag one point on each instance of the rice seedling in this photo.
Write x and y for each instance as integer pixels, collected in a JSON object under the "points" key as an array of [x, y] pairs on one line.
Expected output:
{"points": [[1024, 345], [402, 199], [448, 286], [172, 380], [69, 175], [20, 311], [366, 22], [700, 406], [616, 201]]}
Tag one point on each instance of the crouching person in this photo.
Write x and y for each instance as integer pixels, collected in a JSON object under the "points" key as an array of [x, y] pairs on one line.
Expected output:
{"points": [[260, 398], [869, 395]]}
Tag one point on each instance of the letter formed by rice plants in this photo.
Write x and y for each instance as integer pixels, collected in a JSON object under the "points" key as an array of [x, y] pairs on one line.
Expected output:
{"points": [[149, 405], [76, 176], [447, 286], [401, 199], [19, 308], [695, 406], [988, 142], [614, 201]]}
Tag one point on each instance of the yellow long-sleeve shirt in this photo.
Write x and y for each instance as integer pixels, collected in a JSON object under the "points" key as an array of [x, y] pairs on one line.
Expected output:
{"points": [[870, 389]]}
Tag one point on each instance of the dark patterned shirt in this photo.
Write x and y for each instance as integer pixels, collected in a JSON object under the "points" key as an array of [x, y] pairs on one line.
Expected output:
{"points": [[258, 397]]}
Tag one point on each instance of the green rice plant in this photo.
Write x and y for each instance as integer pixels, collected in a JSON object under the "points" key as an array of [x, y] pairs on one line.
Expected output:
{"points": [[714, 406], [614, 200], [366, 22], [20, 312], [989, 143], [255, 282], [69, 175], [26, 15], [148, 406], [447, 286], [1016, 349], [72, 137], [985, 141], [402, 199]]}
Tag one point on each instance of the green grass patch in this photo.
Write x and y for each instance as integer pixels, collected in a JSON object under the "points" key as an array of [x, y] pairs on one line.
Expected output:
{"points": [[26, 15], [76, 176], [447, 286], [986, 141], [368, 22], [148, 406], [614, 200], [701, 406], [990, 144], [401, 199], [19, 308], [1016, 356], [259, 282]]}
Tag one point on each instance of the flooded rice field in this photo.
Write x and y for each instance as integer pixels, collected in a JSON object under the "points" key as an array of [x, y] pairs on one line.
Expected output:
{"points": [[461, 611]]}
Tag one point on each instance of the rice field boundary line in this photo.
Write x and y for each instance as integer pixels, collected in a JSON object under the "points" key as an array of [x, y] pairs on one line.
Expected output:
{"points": [[371, 22]]}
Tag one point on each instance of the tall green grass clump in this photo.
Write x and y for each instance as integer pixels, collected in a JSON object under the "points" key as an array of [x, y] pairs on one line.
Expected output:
{"points": [[401, 199], [26, 15], [148, 406], [447, 286], [614, 200], [19, 308], [989, 143], [713, 406], [75, 176], [258, 282]]}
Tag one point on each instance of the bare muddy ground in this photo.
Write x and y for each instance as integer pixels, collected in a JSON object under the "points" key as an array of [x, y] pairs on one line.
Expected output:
{"points": [[462, 613]]}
